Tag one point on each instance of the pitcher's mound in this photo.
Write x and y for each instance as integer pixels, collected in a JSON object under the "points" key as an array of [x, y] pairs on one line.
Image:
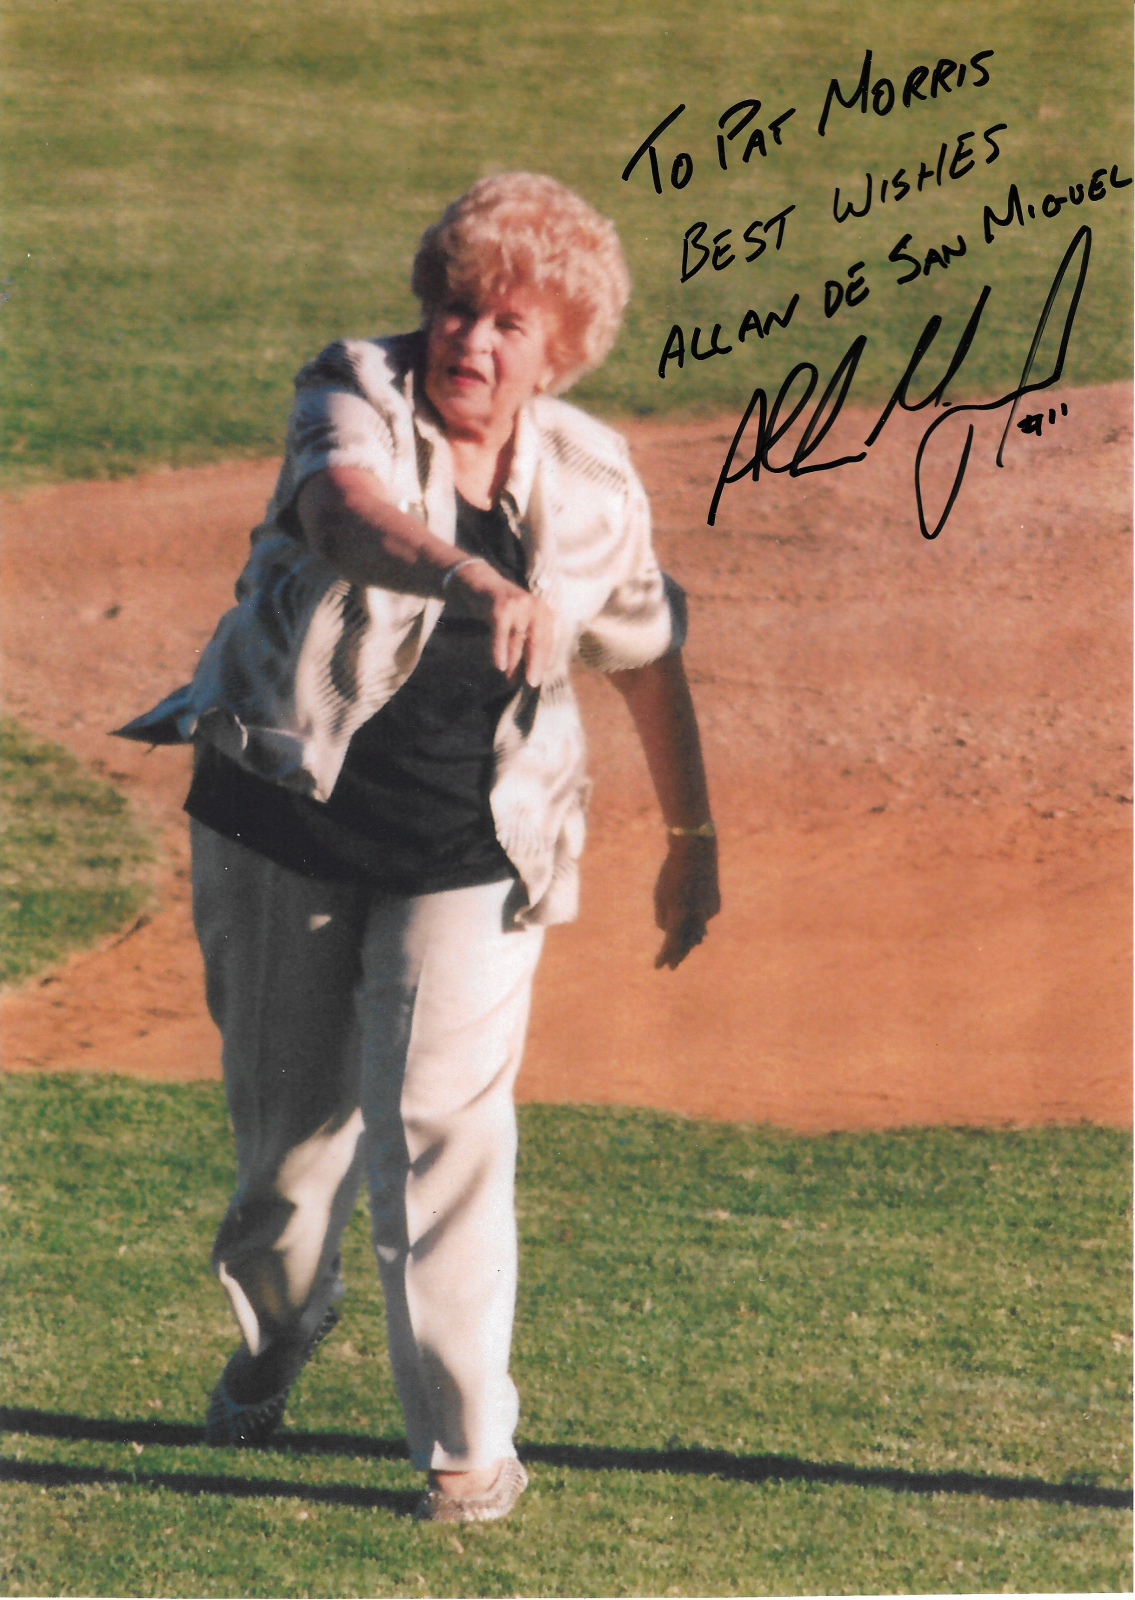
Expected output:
{"points": [[919, 757]]}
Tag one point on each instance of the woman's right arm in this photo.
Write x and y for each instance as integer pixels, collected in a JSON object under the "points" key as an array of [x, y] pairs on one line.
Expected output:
{"points": [[364, 537]]}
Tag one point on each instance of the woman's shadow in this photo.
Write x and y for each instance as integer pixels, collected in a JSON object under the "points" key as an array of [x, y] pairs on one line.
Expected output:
{"points": [[578, 1457]]}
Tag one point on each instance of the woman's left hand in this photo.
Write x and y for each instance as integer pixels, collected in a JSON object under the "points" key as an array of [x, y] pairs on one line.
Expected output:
{"points": [[685, 897]]}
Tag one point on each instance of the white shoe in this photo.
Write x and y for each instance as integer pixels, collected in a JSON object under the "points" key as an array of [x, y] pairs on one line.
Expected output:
{"points": [[496, 1502]]}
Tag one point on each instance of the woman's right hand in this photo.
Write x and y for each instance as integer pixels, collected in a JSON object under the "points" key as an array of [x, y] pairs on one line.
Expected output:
{"points": [[348, 517], [523, 625]]}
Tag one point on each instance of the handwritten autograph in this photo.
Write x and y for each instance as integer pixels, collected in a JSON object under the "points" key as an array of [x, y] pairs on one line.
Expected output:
{"points": [[771, 428]]}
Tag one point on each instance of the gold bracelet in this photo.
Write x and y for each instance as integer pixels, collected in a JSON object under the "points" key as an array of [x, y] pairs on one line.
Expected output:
{"points": [[704, 830]]}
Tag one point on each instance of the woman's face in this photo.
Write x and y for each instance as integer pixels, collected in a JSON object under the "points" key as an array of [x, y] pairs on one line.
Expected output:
{"points": [[485, 358]]}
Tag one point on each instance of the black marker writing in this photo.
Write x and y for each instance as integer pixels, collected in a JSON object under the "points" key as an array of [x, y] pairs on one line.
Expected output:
{"points": [[722, 252], [899, 185], [1052, 204], [836, 295], [1081, 242], [771, 428], [682, 166], [756, 139], [682, 169], [933, 258], [675, 346], [882, 91], [1035, 421]]}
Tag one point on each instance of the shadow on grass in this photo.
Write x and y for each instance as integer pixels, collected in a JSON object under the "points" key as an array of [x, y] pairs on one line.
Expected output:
{"points": [[55, 1475], [585, 1458]]}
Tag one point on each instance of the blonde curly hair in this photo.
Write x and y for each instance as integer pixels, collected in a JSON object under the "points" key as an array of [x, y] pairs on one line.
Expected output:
{"points": [[524, 230]]}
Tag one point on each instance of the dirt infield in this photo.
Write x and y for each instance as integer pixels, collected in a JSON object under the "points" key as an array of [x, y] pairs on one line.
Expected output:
{"points": [[919, 754]]}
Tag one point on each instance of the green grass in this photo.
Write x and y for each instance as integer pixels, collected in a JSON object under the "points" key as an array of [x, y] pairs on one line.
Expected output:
{"points": [[70, 854], [937, 1302], [199, 195]]}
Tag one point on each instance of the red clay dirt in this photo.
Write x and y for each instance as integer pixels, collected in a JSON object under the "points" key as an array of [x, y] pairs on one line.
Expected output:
{"points": [[919, 755]]}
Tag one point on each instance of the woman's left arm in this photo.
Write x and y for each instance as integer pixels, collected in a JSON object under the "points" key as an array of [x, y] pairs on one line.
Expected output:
{"points": [[686, 894]]}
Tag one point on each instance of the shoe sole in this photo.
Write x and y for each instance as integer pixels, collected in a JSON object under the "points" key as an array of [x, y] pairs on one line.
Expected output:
{"points": [[231, 1425]]}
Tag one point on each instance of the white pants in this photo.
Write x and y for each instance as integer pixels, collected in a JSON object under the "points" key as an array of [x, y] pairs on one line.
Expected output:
{"points": [[381, 1034]]}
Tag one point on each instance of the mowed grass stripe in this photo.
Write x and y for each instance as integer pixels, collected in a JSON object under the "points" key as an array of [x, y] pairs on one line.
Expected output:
{"points": [[71, 855], [750, 1362]]}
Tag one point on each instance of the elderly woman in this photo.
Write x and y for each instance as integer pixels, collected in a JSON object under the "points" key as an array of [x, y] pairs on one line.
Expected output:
{"points": [[388, 806]]}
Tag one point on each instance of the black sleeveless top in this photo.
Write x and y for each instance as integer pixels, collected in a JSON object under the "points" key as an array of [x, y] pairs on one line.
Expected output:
{"points": [[410, 811]]}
